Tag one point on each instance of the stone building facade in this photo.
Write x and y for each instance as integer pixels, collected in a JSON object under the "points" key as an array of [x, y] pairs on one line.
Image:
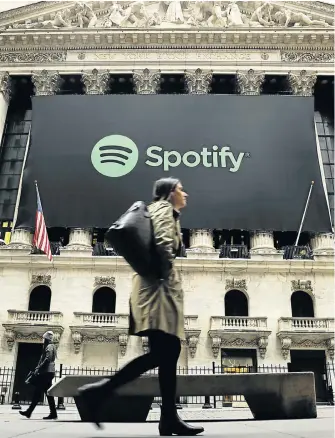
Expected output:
{"points": [[259, 308]]}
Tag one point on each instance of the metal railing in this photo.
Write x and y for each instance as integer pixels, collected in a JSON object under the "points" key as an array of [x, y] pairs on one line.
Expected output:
{"points": [[9, 394]]}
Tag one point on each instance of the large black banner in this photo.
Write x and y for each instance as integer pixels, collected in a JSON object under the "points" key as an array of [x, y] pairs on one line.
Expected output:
{"points": [[246, 161]]}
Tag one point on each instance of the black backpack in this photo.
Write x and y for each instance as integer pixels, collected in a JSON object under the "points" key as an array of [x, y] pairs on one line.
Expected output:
{"points": [[132, 238]]}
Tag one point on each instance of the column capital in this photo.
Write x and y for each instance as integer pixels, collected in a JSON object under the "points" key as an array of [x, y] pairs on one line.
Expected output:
{"points": [[21, 239], [146, 81], [262, 246], [5, 85], [302, 83], [46, 83], [95, 82], [201, 242], [250, 82], [323, 246], [80, 240], [198, 81]]}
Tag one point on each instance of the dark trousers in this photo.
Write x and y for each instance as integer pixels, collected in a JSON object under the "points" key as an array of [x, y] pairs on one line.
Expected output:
{"points": [[42, 385], [164, 353]]}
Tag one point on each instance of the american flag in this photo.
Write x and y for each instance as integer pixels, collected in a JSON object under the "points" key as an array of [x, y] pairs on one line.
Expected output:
{"points": [[41, 239]]}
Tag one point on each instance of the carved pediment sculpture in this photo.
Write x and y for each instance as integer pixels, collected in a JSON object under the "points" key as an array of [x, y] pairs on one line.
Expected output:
{"points": [[171, 14]]}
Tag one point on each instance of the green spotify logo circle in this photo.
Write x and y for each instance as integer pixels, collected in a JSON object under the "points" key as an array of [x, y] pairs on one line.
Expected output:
{"points": [[114, 156]]}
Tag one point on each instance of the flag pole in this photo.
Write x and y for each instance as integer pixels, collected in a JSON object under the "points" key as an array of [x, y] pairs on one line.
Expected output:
{"points": [[304, 214]]}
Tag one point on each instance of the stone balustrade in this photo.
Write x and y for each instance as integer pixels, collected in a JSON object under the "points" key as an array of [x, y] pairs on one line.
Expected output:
{"points": [[306, 324], [238, 322], [102, 319], [34, 317]]}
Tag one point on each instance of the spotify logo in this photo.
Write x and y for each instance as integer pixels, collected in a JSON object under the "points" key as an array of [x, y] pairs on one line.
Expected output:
{"points": [[114, 156]]}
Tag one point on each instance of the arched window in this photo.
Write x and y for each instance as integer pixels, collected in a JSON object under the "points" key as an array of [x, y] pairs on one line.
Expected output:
{"points": [[236, 303], [104, 300], [302, 305], [39, 299]]}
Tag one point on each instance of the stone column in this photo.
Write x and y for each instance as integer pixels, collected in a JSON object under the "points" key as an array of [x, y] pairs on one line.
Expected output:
{"points": [[5, 92], [249, 82], [80, 241], [21, 238], [46, 82], [323, 246], [198, 81], [95, 82], [302, 83], [262, 245], [146, 81]]}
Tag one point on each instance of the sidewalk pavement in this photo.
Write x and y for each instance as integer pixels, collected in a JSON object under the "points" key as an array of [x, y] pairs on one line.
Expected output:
{"points": [[225, 423]]}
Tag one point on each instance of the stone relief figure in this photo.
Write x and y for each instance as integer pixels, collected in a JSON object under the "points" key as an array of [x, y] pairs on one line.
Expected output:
{"points": [[85, 15], [174, 13], [234, 16], [218, 17], [262, 16], [285, 17], [116, 15], [61, 19], [135, 15]]}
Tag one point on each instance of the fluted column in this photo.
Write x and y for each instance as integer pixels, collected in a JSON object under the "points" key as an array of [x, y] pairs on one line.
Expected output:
{"points": [[80, 240], [198, 81], [46, 83], [21, 238], [302, 83], [146, 81], [262, 245], [95, 82], [5, 92], [323, 246], [250, 82]]}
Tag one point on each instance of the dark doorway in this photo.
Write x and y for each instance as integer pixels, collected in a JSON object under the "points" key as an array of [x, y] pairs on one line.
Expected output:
{"points": [[40, 298], [236, 303], [28, 356], [315, 361], [104, 300], [302, 305]]}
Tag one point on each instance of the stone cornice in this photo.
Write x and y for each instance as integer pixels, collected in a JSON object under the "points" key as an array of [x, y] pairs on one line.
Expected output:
{"points": [[34, 8], [315, 39], [21, 260]]}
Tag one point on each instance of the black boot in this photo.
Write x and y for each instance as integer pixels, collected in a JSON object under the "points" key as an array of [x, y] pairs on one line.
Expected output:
{"points": [[26, 413], [52, 406], [171, 424]]}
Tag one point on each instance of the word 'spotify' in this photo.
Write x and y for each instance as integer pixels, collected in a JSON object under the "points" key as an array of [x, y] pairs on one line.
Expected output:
{"points": [[217, 157]]}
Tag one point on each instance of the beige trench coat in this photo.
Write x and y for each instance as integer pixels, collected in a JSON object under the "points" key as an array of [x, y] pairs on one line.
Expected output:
{"points": [[156, 305]]}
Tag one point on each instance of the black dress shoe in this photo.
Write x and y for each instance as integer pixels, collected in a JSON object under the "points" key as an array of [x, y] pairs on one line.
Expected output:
{"points": [[51, 417], [93, 395], [174, 425], [26, 414]]}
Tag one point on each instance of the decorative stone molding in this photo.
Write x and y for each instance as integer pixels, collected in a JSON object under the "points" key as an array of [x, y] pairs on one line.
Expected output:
{"points": [[236, 284], [32, 57], [302, 83], [21, 238], [10, 338], [96, 82], [286, 343], [323, 244], [216, 346], [123, 342], [5, 85], [77, 341], [250, 82], [40, 279], [198, 81], [308, 57], [201, 240], [79, 240], [46, 83], [262, 346], [303, 285], [146, 81], [145, 344], [331, 347], [192, 342], [104, 281]]}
